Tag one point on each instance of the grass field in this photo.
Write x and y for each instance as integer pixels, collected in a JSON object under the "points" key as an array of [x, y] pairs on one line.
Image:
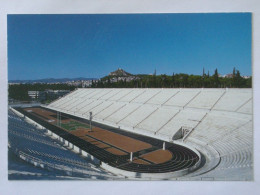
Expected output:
{"points": [[74, 125]]}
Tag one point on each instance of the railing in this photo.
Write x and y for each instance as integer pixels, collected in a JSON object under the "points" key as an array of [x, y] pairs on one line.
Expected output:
{"points": [[218, 100], [243, 104], [192, 99], [115, 111], [137, 96], [146, 117], [194, 128], [167, 122], [103, 109], [170, 98], [129, 114], [152, 96]]}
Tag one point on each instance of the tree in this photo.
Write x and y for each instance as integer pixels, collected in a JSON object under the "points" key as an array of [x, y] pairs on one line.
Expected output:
{"points": [[154, 83], [234, 72], [203, 77], [248, 82], [215, 79], [173, 80], [185, 80], [154, 72], [178, 80], [164, 82], [238, 79]]}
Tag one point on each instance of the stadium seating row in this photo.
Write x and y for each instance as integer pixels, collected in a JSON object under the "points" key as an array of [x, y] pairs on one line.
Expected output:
{"points": [[34, 143], [159, 111]]}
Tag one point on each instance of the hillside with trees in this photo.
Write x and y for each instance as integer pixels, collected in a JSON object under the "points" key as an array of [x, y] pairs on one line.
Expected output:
{"points": [[122, 79], [180, 80]]}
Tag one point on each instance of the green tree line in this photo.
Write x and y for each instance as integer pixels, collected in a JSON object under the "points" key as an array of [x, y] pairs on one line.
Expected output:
{"points": [[20, 91], [179, 81]]}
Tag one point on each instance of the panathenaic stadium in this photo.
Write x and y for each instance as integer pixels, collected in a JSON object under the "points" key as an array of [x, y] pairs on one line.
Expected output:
{"points": [[139, 134]]}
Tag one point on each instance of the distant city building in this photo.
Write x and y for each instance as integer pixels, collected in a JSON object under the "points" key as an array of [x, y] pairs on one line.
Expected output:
{"points": [[81, 83], [14, 83], [47, 94], [231, 76], [37, 95], [228, 76], [121, 75], [246, 77]]}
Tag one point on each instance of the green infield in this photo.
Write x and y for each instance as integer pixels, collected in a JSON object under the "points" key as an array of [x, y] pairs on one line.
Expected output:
{"points": [[73, 125]]}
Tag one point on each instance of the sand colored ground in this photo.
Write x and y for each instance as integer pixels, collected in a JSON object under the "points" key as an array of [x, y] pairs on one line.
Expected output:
{"points": [[115, 151], [46, 114], [123, 142], [140, 161], [103, 146], [158, 156], [109, 141]]}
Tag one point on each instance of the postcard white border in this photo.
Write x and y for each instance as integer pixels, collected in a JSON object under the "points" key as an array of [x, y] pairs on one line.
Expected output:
{"points": [[123, 6]]}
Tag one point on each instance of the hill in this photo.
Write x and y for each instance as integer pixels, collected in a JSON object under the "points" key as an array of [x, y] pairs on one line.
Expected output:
{"points": [[119, 72]]}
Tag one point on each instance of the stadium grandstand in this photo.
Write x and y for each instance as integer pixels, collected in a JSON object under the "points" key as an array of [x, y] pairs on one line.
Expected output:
{"points": [[32, 144], [183, 134]]}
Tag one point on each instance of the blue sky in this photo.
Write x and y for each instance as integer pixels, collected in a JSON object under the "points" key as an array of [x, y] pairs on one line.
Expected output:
{"points": [[59, 46]]}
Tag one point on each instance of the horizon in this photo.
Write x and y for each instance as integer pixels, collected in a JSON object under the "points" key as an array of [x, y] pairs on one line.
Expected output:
{"points": [[93, 45], [113, 71]]}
